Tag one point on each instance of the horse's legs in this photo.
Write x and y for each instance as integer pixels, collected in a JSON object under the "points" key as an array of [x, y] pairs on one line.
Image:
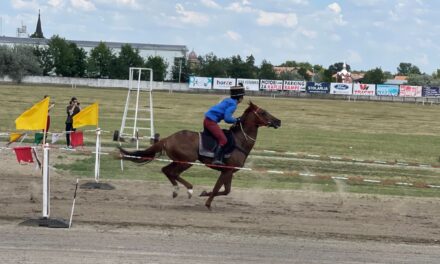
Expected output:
{"points": [[173, 171], [225, 178]]}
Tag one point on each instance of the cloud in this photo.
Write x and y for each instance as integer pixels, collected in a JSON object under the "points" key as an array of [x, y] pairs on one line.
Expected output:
{"points": [[85, 5], [240, 7], [353, 57], [210, 4], [191, 17], [21, 4], [299, 2], [337, 10], [311, 34], [288, 20], [55, 3], [233, 35], [335, 7]]}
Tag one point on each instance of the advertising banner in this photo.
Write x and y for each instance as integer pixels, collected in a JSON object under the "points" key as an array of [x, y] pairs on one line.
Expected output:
{"points": [[429, 91], [271, 85], [299, 86], [223, 83], [410, 91], [318, 88], [387, 90], [249, 84], [200, 82], [364, 89], [341, 88]]}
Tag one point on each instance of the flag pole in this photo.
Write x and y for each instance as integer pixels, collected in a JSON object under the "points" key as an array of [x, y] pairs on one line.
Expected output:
{"points": [[97, 154]]}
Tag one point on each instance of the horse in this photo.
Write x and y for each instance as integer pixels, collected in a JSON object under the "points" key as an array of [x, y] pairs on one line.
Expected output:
{"points": [[182, 148]]}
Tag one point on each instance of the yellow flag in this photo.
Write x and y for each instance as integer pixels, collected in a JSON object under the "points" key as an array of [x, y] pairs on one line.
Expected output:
{"points": [[15, 136], [87, 116], [34, 118]]}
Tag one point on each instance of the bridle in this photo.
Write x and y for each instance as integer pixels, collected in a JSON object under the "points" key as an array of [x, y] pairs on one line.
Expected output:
{"points": [[265, 122]]}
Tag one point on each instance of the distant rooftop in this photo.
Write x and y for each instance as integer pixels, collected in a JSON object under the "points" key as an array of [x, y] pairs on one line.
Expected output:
{"points": [[92, 44]]}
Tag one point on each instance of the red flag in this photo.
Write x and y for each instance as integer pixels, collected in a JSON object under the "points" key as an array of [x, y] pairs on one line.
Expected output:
{"points": [[24, 154], [76, 139]]}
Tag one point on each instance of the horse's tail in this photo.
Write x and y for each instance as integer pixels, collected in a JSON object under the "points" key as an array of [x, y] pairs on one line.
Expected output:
{"points": [[142, 156]]}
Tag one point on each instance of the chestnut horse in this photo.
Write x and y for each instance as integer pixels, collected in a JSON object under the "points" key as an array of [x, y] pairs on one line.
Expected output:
{"points": [[183, 149]]}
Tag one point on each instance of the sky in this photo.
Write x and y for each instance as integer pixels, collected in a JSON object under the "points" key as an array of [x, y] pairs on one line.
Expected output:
{"points": [[363, 33]]}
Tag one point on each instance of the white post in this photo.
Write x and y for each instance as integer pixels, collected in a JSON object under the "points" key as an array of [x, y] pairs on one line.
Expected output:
{"points": [[46, 182], [97, 154]]}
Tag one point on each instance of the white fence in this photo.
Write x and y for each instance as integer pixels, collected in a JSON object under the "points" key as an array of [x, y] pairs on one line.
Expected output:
{"points": [[98, 83]]}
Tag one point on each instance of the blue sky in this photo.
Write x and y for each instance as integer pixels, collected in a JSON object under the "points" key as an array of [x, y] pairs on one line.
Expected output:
{"points": [[364, 33]]}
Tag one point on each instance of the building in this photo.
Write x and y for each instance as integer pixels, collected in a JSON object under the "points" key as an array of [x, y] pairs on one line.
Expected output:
{"points": [[168, 52]]}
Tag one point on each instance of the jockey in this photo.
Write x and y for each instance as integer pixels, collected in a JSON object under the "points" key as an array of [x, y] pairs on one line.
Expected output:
{"points": [[219, 112]]}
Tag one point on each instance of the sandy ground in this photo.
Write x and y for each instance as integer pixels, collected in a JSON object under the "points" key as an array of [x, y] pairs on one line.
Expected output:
{"points": [[141, 205]]}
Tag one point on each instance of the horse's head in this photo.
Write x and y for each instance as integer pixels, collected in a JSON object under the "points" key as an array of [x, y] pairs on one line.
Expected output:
{"points": [[262, 117]]}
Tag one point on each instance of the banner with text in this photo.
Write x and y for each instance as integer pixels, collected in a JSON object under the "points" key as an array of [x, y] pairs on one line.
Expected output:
{"points": [[410, 91], [318, 88], [364, 89], [341, 88], [271, 85], [200, 82], [430, 91], [249, 84], [387, 90], [299, 86], [223, 83]]}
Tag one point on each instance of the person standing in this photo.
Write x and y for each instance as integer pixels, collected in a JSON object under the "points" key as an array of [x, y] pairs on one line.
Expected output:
{"points": [[72, 109]]}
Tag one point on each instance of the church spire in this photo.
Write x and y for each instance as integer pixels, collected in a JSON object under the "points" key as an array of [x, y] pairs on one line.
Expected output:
{"points": [[38, 31]]}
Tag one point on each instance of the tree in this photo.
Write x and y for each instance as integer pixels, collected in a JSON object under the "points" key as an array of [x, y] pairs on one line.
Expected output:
{"points": [[337, 67], [267, 71], [374, 76], [18, 62], [45, 59], [100, 61], [159, 66], [211, 66], [128, 57], [61, 56], [79, 66], [180, 70], [406, 68]]}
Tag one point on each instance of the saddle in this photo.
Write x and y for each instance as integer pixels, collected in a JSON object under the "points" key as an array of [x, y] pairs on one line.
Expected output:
{"points": [[208, 143]]}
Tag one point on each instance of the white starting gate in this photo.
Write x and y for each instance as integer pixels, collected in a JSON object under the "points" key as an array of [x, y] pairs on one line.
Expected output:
{"points": [[138, 111]]}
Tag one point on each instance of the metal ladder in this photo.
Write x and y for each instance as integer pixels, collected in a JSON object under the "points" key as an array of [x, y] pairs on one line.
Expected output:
{"points": [[138, 117]]}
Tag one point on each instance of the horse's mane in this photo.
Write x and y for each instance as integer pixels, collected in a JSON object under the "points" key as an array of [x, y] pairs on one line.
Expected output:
{"points": [[250, 108]]}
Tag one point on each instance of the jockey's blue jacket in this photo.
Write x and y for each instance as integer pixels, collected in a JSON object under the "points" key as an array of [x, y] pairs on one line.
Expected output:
{"points": [[223, 111]]}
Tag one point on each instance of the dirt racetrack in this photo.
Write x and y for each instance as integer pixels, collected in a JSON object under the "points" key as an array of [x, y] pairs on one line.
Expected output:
{"points": [[260, 212]]}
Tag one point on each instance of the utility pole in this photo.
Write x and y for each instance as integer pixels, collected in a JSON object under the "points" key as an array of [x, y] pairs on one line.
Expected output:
{"points": [[180, 68]]}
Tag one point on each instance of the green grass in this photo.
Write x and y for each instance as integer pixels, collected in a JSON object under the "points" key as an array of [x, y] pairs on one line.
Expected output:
{"points": [[361, 130]]}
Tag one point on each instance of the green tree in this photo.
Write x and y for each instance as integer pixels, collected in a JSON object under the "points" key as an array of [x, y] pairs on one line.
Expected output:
{"points": [[79, 65], [159, 66], [336, 67], [266, 71], [18, 62], [212, 66], [180, 70], [62, 56], [45, 59], [100, 61], [406, 68], [128, 57], [376, 76]]}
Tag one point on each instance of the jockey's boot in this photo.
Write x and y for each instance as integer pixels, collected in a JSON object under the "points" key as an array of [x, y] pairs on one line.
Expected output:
{"points": [[219, 154]]}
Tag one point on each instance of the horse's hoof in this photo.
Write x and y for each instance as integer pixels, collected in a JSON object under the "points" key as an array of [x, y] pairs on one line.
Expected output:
{"points": [[208, 206], [204, 193], [175, 194], [190, 193]]}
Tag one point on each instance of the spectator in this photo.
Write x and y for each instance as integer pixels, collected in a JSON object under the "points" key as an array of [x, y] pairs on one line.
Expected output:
{"points": [[72, 109]]}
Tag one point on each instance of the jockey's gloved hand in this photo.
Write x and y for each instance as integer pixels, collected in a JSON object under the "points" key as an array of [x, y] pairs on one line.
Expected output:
{"points": [[237, 121]]}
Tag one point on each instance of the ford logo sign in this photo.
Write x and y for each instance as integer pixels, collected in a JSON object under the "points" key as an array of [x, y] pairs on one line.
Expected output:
{"points": [[341, 87]]}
